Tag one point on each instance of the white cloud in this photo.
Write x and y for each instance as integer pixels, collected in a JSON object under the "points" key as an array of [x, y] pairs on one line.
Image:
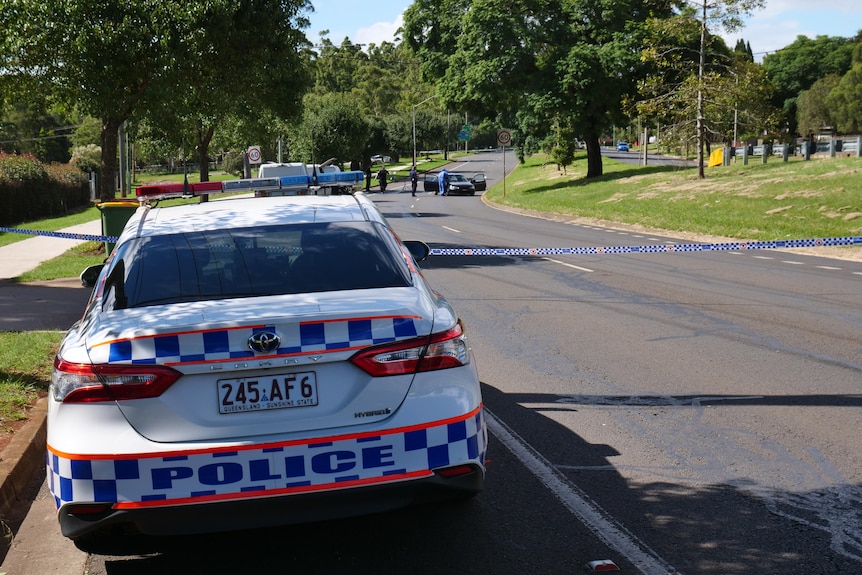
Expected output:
{"points": [[379, 32]]}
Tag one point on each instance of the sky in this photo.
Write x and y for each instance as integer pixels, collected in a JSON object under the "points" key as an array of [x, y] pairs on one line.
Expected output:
{"points": [[767, 30]]}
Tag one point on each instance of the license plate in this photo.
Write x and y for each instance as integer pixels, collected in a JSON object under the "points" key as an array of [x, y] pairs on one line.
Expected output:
{"points": [[279, 391]]}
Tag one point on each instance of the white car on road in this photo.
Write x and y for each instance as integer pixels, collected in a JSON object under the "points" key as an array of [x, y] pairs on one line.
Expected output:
{"points": [[254, 362]]}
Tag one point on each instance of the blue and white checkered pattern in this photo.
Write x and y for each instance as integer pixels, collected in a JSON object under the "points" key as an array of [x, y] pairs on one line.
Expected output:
{"points": [[272, 469], [706, 247], [228, 344]]}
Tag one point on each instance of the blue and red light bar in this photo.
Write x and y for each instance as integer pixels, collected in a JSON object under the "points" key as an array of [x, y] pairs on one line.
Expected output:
{"points": [[295, 184], [164, 191]]}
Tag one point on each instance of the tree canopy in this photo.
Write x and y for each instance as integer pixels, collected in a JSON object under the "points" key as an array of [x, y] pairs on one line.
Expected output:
{"points": [[117, 59], [798, 65]]}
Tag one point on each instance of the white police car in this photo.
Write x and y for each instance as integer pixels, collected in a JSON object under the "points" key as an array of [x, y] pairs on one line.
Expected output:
{"points": [[261, 361]]}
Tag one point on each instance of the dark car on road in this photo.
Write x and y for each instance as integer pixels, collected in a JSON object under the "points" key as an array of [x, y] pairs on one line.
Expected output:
{"points": [[459, 185]]}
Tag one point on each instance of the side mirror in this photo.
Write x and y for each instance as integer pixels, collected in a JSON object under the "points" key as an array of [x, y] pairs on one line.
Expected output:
{"points": [[90, 276], [419, 250]]}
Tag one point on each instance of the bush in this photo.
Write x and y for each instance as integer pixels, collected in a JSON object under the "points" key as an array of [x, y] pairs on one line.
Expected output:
{"points": [[31, 190], [87, 158], [233, 163]]}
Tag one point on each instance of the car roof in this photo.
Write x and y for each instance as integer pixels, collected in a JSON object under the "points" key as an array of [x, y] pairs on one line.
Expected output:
{"points": [[244, 212]]}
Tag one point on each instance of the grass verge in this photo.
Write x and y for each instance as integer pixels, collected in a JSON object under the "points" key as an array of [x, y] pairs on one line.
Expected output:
{"points": [[68, 265], [26, 362], [818, 198]]}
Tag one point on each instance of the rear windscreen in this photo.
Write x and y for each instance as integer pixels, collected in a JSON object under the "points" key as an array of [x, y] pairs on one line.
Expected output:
{"points": [[250, 262]]}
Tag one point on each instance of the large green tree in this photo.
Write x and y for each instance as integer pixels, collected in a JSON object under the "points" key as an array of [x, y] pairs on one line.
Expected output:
{"points": [[845, 101], [239, 64], [812, 112], [117, 59], [108, 56], [798, 65], [332, 127]]}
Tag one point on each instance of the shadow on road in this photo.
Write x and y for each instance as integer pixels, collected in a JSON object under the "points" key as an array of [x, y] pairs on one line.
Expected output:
{"points": [[517, 526]]}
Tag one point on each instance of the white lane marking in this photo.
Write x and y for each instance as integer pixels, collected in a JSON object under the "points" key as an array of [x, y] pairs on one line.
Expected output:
{"points": [[830, 268], [793, 262], [579, 503], [573, 266], [857, 273], [762, 257], [451, 229]]}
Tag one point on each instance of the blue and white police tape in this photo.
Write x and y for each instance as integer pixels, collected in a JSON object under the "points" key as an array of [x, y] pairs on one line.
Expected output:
{"points": [[598, 250], [664, 248], [61, 235]]}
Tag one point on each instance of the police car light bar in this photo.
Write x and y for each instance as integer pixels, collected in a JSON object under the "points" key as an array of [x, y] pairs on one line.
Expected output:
{"points": [[155, 192], [165, 191]]}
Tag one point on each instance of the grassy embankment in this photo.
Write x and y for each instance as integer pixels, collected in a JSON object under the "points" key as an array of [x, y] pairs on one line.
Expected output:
{"points": [[794, 200]]}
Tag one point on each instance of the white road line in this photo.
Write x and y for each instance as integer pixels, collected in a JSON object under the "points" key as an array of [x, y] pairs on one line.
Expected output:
{"points": [[573, 266], [451, 229], [791, 262], [579, 503], [762, 257], [830, 268]]}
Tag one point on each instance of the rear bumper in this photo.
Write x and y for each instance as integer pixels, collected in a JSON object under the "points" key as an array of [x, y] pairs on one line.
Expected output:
{"points": [[265, 511], [255, 485]]}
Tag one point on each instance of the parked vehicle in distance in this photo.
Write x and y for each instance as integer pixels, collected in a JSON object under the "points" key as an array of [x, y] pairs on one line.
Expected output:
{"points": [[255, 362], [622, 147], [459, 185]]}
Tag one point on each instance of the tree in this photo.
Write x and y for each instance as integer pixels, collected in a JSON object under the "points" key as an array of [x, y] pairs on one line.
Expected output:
{"points": [[742, 50], [845, 101], [157, 50], [798, 65], [332, 127], [238, 65], [70, 59], [534, 60], [812, 112]]}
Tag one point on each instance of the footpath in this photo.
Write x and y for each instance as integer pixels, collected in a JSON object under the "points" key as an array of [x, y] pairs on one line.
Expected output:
{"points": [[37, 547]]}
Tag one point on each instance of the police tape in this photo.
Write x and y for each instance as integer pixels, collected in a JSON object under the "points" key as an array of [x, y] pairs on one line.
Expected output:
{"points": [[598, 250], [663, 248], [61, 235]]}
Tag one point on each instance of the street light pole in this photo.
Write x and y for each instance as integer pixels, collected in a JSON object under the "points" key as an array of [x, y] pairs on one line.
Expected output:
{"points": [[414, 124]]}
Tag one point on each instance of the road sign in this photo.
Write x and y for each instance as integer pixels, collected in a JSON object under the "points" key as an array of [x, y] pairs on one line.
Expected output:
{"points": [[504, 137], [254, 155]]}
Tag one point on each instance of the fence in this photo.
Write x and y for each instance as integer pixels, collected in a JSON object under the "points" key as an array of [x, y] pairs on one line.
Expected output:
{"points": [[833, 148]]}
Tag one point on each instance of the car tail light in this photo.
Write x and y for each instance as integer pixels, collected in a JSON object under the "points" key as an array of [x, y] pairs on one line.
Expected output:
{"points": [[89, 510], [86, 383], [457, 471], [437, 351]]}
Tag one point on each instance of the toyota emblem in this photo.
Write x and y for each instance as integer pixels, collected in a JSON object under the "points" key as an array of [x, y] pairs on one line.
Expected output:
{"points": [[264, 342]]}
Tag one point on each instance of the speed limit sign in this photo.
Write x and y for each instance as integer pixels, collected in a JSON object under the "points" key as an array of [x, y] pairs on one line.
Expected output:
{"points": [[504, 137], [254, 156]]}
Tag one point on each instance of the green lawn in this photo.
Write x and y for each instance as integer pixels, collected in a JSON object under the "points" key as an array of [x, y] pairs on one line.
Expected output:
{"points": [[818, 198]]}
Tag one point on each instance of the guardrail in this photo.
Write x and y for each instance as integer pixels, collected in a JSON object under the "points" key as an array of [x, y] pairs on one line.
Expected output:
{"points": [[850, 147]]}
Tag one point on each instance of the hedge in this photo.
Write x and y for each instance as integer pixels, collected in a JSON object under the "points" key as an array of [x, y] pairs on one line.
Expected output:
{"points": [[31, 190]]}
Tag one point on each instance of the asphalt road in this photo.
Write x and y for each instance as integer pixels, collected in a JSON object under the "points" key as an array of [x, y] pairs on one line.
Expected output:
{"points": [[693, 413]]}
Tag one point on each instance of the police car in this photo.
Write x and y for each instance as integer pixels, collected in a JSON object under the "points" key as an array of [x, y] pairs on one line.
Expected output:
{"points": [[254, 362]]}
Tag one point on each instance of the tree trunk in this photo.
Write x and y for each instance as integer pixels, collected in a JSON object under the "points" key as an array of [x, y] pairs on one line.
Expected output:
{"points": [[594, 156], [203, 147], [700, 119], [107, 181]]}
